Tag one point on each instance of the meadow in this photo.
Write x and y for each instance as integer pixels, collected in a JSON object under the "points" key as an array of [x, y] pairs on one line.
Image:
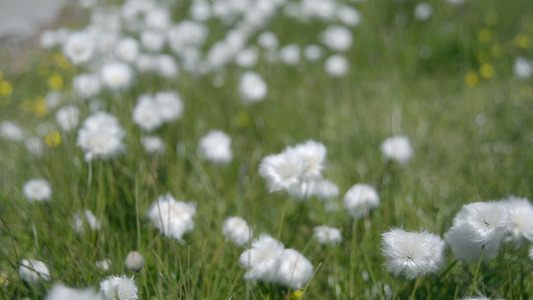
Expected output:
{"points": [[454, 79]]}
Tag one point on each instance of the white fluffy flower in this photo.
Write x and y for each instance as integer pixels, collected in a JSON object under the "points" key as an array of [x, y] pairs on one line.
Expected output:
{"points": [[252, 87], [153, 144], [153, 40], [360, 199], [237, 230], [35, 145], [127, 49], [262, 261], [172, 218], [37, 190], [101, 137], [282, 171], [32, 270], [294, 269], [104, 264], [523, 67], [86, 85], [146, 113], [397, 148], [423, 11], [313, 52], [268, 40], [169, 105], [215, 147], [61, 292], [478, 226], [119, 288], [93, 222], [247, 58], [348, 15], [166, 66], [413, 254], [187, 34], [200, 10], [116, 76], [336, 65], [290, 54], [521, 214], [79, 47], [134, 261], [337, 38], [326, 189], [327, 235], [68, 117], [11, 131], [314, 153]]}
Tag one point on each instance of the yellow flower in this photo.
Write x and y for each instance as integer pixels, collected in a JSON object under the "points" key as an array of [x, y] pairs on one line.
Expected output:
{"points": [[6, 88], [39, 107], [486, 70], [53, 139], [485, 36], [243, 119], [482, 57], [296, 295], [471, 78], [55, 82], [523, 41]]}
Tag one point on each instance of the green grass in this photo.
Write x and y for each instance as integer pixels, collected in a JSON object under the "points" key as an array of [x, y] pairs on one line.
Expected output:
{"points": [[389, 90]]}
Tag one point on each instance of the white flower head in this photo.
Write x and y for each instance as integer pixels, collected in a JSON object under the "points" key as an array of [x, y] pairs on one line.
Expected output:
{"points": [[116, 76], [32, 271], [61, 292], [104, 264], [313, 52], [252, 87], [166, 66], [523, 68], [79, 47], [215, 147], [172, 218], [326, 189], [200, 10], [327, 235], [521, 214], [262, 261], [152, 40], [86, 85], [336, 65], [282, 171], [290, 55], [314, 153], [93, 222], [237, 230], [413, 254], [146, 113], [169, 105], [348, 15], [423, 11], [68, 117], [134, 261], [294, 269], [127, 49], [101, 137], [337, 38], [35, 146], [153, 144], [360, 199], [478, 227], [11, 131], [397, 148], [119, 288], [37, 190], [268, 40], [247, 58]]}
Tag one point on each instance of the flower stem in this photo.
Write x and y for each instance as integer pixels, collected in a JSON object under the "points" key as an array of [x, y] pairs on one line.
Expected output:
{"points": [[477, 271], [414, 289]]}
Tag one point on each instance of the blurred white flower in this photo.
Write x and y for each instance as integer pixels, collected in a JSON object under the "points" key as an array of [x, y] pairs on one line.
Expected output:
{"points": [[360, 199], [236, 229], [423, 11], [93, 222], [268, 40], [337, 38], [169, 105], [252, 87], [521, 214], [145, 63], [11, 131], [146, 113], [35, 145], [134, 261], [290, 54], [119, 288], [153, 144], [247, 58], [282, 171], [53, 99], [37, 190], [294, 269], [336, 65], [61, 292], [187, 34], [172, 218], [313, 52], [166, 66], [79, 47], [523, 68], [103, 264], [101, 137], [397, 148], [68, 117], [314, 153], [86, 85], [326, 189], [152, 40], [327, 235], [127, 49], [158, 18], [413, 254], [116, 76], [478, 226], [215, 147], [200, 10], [348, 15], [262, 260], [32, 271]]}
